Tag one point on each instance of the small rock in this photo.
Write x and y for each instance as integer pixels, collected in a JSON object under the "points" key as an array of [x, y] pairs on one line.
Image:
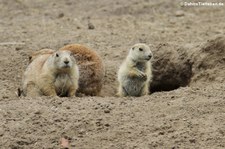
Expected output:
{"points": [[5, 97], [81, 131], [37, 112], [99, 119], [98, 123], [117, 55], [18, 48], [161, 133], [172, 21], [78, 24], [91, 26], [179, 13], [61, 15], [107, 125], [188, 27], [1, 132], [192, 140], [107, 111]]}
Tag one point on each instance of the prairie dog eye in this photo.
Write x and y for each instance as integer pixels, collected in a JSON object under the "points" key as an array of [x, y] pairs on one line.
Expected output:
{"points": [[57, 55], [140, 49]]}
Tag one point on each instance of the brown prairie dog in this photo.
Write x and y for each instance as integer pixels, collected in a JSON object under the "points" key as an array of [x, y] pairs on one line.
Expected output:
{"points": [[91, 69]]}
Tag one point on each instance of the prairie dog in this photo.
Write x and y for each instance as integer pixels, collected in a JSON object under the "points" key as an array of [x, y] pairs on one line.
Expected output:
{"points": [[51, 75], [90, 64], [91, 67], [135, 73]]}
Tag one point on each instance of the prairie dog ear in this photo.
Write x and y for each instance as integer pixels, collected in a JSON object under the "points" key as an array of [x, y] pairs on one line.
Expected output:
{"points": [[151, 46]]}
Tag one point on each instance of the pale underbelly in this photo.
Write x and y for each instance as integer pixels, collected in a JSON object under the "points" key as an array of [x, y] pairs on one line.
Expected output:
{"points": [[62, 84], [133, 87]]}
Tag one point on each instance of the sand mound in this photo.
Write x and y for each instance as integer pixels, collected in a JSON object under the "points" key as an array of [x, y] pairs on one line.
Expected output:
{"points": [[209, 62], [171, 68], [175, 66]]}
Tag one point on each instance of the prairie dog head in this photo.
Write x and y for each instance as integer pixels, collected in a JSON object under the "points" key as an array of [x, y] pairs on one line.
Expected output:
{"points": [[140, 52], [63, 60]]}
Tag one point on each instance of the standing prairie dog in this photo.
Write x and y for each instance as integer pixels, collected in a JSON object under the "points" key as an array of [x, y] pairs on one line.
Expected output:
{"points": [[135, 73], [56, 74]]}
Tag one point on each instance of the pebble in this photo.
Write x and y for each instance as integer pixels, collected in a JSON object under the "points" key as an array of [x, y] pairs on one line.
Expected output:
{"points": [[107, 111], [179, 13], [91, 26], [61, 15]]}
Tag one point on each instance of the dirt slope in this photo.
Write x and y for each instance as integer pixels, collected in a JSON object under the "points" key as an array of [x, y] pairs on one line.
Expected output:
{"points": [[189, 48]]}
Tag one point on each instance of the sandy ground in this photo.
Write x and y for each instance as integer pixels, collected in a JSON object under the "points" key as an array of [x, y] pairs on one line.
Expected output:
{"points": [[189, 48]]}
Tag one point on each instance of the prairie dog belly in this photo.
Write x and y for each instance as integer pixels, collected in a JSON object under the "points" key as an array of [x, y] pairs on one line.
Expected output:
{"points": [[62, 84], [134, 86]]}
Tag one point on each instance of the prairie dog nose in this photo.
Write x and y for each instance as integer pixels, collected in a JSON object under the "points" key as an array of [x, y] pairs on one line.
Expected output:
{"points": [[150, 56], [66, 62]]}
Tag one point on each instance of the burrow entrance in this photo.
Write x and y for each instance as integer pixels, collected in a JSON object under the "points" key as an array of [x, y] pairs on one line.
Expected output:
{"points": [[175, 66]]}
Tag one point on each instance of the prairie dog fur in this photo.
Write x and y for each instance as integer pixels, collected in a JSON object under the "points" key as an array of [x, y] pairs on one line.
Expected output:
{"points": [[90, 64], [51, 75], [135, 73]]}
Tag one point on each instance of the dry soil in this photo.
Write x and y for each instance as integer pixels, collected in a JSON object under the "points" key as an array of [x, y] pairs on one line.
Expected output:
{"points": [[186, 108]]}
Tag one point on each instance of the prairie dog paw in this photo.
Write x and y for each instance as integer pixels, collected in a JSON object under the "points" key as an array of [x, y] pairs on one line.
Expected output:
{"points": [[142, 76]]}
